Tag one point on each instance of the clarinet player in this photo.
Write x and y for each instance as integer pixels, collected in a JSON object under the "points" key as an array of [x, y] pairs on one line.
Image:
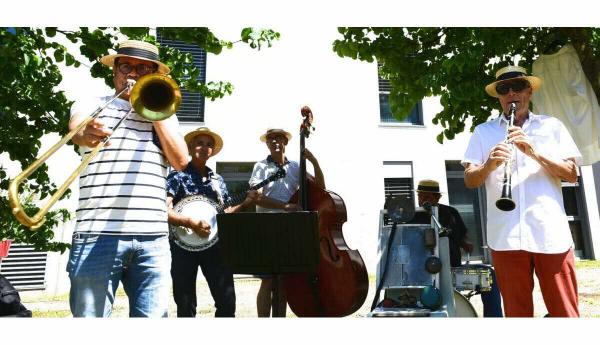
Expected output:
{"points": [[534, 237]]}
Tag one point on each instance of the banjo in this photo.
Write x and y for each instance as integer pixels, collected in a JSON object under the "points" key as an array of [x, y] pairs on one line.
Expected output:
{"points": [[199, 206]]}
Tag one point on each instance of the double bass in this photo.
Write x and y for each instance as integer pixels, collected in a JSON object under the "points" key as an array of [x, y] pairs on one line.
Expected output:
{"points": [[340, 285]]}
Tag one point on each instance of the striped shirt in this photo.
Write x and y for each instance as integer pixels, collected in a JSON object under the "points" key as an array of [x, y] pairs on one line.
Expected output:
{"points": [[122, 190]]}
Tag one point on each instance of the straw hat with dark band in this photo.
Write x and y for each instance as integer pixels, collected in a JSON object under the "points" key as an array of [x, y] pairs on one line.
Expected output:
{"points": [[429, 186], [139, 50], [512, 72], [270, 131], [205, 131]]}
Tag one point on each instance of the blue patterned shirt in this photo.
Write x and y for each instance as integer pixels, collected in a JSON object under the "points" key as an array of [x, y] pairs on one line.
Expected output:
{"points": [[189, 182]]}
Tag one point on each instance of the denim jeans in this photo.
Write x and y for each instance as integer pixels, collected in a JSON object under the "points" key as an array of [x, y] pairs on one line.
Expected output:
{"points": [[98, 262]]}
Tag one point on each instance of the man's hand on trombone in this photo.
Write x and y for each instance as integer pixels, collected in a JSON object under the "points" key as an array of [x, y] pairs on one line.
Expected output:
{"points": [[92, 134]]}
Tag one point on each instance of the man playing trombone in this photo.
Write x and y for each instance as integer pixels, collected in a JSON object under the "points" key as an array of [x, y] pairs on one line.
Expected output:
{"points": [[533, 234], [121, 230]]}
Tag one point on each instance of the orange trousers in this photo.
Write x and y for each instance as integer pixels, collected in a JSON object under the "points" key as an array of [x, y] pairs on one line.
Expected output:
{"points": [[555, 273]]}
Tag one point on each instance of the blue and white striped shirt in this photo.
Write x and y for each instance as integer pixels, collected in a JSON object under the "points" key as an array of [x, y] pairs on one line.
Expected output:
{"points": [[122, 190]]}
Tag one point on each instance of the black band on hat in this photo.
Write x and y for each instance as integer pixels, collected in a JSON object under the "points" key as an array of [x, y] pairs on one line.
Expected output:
{"points": [[422, 188], [509, 75], [143, 53]]}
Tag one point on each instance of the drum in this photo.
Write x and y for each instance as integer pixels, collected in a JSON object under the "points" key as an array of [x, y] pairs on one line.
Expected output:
{"points": [[463, 306], [472, 277], [196, 206]]}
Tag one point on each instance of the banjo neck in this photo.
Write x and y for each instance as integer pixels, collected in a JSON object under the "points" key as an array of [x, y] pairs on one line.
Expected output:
{"points": [[238, 198]]}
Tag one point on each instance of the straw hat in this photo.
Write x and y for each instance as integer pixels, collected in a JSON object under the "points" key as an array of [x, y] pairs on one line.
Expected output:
{"points": [[512, 72], [270, 131], [205, 131], [139, 50], [429, 186]]}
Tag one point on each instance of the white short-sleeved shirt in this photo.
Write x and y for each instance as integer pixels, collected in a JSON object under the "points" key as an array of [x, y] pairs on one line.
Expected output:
{"points": [[281, 189], [538, 223]]}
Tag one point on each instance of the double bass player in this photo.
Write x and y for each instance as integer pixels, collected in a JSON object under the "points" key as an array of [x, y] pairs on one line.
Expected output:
{"points": [[275, 198]]}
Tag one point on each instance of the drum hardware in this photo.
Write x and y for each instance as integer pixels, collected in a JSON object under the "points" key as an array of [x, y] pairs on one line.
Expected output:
{"points": [[506, 203], [433, 265], [463, 307], [400, 210], [413, 289], [154, 96], [431, 297], [473, 278], [406, 299], [430, 238], [442, 231], [404, 312], [200, 206], [402, 298]]}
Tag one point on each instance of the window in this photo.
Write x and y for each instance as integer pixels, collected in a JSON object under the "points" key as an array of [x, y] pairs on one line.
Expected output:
{"points": [[467, 202], [25, 267], [192, 103], [573, 203], [236, 176], [399, 182], [385, 114]]}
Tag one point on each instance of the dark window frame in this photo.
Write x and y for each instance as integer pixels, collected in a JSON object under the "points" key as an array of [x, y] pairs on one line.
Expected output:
{"points": [[582, 239], [414, 118], [192, 103], [455, 171]]}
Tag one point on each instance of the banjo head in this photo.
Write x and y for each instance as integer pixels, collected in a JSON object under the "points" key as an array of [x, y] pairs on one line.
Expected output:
{"points": [[195, 206]]}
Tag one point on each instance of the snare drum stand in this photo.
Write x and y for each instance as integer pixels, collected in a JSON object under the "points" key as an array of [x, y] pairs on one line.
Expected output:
{"points": [[444, 281]]}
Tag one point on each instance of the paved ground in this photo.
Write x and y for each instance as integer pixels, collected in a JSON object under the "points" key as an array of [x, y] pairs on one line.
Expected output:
{"points": [[588, 279]]}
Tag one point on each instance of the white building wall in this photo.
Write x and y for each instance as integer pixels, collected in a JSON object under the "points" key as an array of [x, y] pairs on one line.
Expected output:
{"points": [[351, 144]]}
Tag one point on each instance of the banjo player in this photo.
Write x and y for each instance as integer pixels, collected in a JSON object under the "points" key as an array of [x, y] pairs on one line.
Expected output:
{"points": [[199, 180]]}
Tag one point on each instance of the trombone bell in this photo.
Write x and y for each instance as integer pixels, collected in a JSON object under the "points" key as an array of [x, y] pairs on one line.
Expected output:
{"points": [[155, 97]]}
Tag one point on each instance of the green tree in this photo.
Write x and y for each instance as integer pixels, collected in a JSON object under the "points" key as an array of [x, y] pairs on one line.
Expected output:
{"points": [[457, 63], [31, 105]]}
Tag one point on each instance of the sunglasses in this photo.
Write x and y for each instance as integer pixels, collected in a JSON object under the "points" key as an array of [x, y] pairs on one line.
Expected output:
{"points": [[141, 69], [516, 85]]}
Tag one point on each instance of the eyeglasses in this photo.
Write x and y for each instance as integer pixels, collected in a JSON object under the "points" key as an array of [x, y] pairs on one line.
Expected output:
{"points": [[141, 69], [516, 85]]}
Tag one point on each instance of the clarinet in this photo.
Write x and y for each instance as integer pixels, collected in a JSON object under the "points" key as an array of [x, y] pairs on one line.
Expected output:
{"points": [[506, 203]]}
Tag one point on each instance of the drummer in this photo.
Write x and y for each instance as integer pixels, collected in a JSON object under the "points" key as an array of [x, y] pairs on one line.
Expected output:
{"points": [[428, 191], [198, 179]]}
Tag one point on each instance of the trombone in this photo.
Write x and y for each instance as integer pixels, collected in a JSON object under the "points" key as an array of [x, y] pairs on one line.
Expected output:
{"points": [[155, 97]]}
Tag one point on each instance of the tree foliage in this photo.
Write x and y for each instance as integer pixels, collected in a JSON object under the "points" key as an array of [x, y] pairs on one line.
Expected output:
{"points": [[31, 104], [456, 63]]}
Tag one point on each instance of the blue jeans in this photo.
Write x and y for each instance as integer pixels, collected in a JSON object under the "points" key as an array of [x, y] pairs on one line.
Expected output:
{"points": [[98, 262]]}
